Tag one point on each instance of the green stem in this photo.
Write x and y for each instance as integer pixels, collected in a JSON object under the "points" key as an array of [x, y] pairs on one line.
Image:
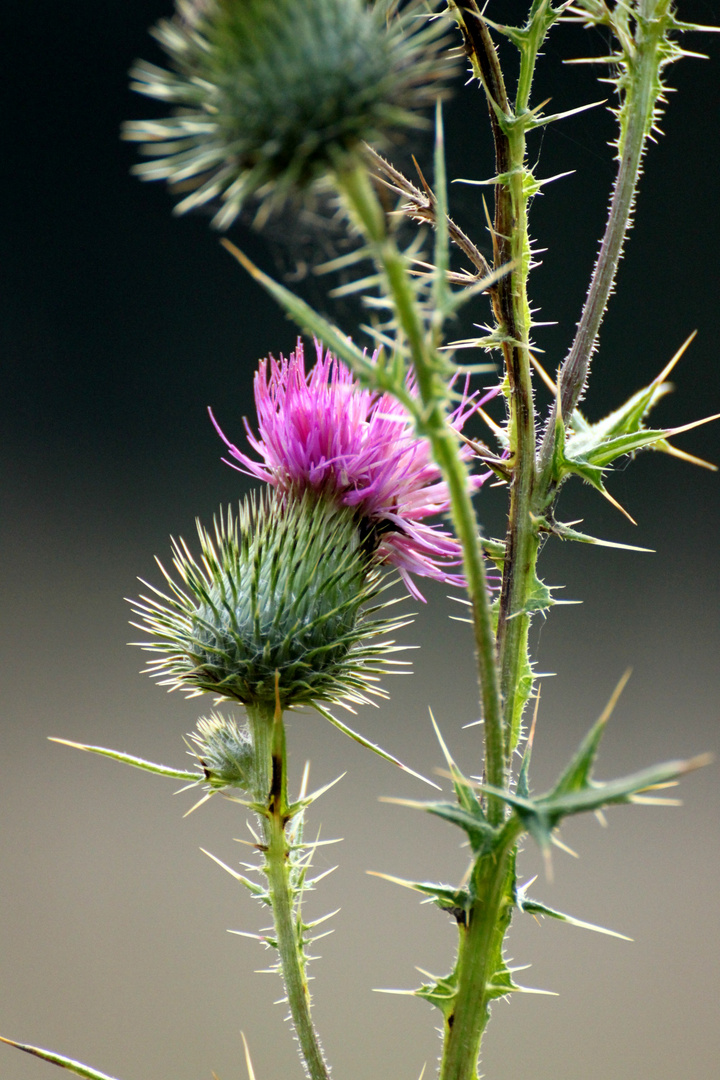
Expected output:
{"points": [[261, 722], [521, 544], [431, 420], [480, 956], [493, 878], [512, 312], [468, 533], [270, 796]]}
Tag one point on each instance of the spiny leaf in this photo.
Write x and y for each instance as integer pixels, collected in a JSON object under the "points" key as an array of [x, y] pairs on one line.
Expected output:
{"points": [[258, 891], [307, 800], [578, 773], [539, 596], [454, 901], [610, 450], [474, 825], [371, 746], [621, 431], [57, 1059], [536, 120], [566, 532], [541, 815], [619, 791], [533, 907], [138, 763], [440, 992], [309, 320], [462, 786]]}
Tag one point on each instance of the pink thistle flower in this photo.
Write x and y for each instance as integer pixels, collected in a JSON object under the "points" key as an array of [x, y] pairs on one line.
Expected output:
{"points": [[321, 430]]}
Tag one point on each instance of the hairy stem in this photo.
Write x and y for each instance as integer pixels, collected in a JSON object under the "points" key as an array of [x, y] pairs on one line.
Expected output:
{"points": [[643, 93], [270, 796], [511, 246], [431, 419], [493, 876], [480, 956]]}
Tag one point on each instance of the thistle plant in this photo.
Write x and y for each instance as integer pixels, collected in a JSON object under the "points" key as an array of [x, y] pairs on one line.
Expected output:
{"points": [[289, 601]]}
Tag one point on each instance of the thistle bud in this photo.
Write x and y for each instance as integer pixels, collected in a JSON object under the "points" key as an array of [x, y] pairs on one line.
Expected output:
{"points": [[271, 96], [276, 605], [224, 751]]}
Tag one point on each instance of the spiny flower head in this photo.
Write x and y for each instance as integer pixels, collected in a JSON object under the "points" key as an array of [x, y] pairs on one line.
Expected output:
{"points": [[270, 96], [321, 431], [282, 604]]}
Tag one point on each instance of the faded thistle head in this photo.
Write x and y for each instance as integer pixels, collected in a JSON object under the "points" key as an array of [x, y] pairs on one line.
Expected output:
{"points": [[319, 431], [270, 96], [281, 604]]}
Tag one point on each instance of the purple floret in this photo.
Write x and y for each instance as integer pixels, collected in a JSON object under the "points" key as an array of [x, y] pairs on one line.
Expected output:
{"points": [[322, 430]]}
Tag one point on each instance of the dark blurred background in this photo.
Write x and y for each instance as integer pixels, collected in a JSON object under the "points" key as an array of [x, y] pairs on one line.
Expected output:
{"points": [[119, 325]]}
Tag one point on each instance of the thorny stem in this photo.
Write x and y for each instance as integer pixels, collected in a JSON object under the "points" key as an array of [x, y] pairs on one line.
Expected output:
{"points": [[480, 955], [493, 875], [511, 246], [432, 424], [270, 796], [642, 97]]}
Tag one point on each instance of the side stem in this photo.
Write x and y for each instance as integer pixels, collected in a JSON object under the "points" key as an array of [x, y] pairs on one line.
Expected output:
{"points": [[643, 94], [270, 797]]}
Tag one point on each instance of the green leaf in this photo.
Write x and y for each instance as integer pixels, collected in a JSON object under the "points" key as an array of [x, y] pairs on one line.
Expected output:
{"points": [[578, 773], [566, 532], [464, 789], [621, 432], [608, 450], [260, 892], [539, 596], [536, 119], [502, 983], [440, 993], [598, 795], [495, 550]]}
